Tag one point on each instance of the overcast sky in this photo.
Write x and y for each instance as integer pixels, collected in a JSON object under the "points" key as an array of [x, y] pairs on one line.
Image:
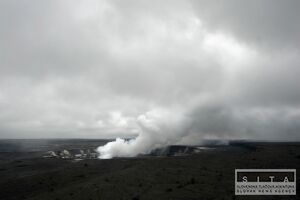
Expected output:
{"points": [[93, 68]]}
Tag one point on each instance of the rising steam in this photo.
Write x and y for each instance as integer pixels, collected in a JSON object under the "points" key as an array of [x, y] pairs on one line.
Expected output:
{"points": [[157, 128]]}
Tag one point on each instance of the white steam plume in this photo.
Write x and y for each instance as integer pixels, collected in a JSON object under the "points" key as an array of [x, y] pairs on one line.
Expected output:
{"points": [[158, 128], [213, 120]]}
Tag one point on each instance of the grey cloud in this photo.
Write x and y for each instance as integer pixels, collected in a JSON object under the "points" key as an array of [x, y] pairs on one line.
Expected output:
{"points": [[65, 66], [225, 121], [264, 23]]}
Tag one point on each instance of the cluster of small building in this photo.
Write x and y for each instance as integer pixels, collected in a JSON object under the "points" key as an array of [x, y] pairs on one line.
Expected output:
{"points": [[73, 154]]}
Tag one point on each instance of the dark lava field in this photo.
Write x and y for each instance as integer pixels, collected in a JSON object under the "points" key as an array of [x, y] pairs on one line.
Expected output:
{"points": [[208, 175]]}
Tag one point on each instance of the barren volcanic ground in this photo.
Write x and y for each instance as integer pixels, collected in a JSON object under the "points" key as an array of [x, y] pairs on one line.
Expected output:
{"points": [[205, 175]]}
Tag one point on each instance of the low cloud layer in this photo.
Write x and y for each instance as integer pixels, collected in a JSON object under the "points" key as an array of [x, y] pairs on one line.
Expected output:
{"points": [[167, 72]]}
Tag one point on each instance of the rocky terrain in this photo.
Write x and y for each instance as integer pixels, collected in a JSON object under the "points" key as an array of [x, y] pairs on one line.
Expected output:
{"points": [[172, 173]]}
